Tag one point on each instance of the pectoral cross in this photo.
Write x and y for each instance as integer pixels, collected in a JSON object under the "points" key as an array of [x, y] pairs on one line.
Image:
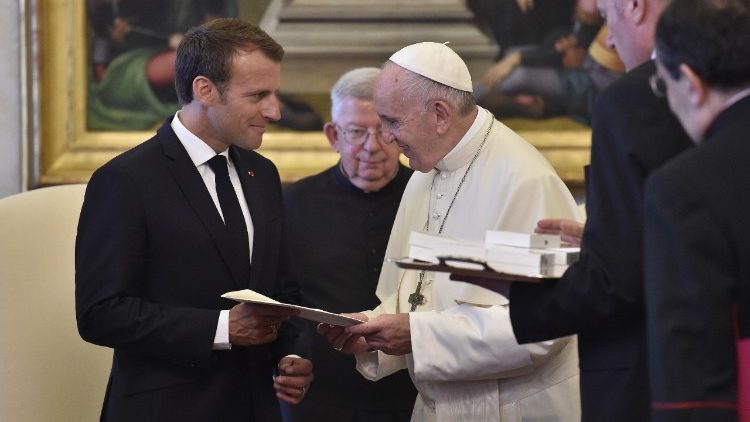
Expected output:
{"points": [[417, 298]]}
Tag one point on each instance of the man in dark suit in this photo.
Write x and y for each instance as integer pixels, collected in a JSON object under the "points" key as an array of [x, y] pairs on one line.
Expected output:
{"points": [[601, 297], [170, 225], [697, 239]]}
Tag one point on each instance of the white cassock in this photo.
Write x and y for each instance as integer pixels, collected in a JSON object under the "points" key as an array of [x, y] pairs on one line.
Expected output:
{"points": [[465, 360]]}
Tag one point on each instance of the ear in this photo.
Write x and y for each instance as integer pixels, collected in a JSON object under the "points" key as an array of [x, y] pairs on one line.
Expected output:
{"points": [[205, 91], [444, 116], [332, 134], [636, 10], [697, 89]]}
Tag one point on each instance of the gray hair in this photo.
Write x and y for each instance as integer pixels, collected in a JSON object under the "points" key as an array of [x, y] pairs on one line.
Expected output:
{"points": [[417, 86], [357, 83]]}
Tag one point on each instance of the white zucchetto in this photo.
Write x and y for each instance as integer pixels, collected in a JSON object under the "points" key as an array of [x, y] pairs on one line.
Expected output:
{"points": [[435, 61]]}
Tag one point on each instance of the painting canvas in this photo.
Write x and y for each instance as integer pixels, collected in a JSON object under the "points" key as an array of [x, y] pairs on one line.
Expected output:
{"points": [[98, 81], [131, 56]]}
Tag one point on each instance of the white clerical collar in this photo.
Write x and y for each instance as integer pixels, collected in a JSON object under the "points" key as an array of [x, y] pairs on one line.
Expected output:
{"points": [[462, 153], [198, 150]]}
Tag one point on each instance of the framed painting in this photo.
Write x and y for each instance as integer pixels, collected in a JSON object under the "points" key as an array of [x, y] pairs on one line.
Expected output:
{"points": [[71, 129]]}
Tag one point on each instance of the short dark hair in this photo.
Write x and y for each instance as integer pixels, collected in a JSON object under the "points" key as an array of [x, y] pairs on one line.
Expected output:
{"points": [[712, 37], [208, 50]]}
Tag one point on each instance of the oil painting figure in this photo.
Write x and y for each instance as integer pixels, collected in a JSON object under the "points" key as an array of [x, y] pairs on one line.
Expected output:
{"points": [[132, 57]]}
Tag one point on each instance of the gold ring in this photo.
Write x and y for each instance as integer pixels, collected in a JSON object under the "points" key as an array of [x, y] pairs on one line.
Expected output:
{"points": [[338, 349]]}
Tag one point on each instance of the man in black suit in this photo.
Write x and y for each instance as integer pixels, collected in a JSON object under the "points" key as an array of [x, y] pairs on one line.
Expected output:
{"points": [[697, 239], [167, 227], [601, 297]]}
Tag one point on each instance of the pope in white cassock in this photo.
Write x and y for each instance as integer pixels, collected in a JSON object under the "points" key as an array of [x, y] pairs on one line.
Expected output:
{"points": [[474, 174]]}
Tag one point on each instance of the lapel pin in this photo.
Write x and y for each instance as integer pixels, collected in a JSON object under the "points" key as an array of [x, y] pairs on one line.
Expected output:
{"points": [[251, 173]]}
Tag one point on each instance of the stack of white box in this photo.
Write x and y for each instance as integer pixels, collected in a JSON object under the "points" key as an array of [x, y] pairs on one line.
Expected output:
{"points": [[503, 251], [428, 247], [528, 253]]}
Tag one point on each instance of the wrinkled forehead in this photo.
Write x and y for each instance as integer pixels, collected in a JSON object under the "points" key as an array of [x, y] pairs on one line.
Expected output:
{"points": [[389, 76], [388, 90], [357, 111]]}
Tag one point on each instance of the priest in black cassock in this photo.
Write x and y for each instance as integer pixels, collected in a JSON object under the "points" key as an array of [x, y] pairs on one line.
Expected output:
{"points": [[339, 222]]}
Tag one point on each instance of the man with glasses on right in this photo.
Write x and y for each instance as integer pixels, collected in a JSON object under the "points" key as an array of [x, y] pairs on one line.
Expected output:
{"points": [[697, 239], [339, 222]]}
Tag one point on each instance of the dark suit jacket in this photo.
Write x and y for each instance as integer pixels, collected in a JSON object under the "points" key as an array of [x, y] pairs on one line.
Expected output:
{"points": [[698, 274], [152, 259], [601, 297]]}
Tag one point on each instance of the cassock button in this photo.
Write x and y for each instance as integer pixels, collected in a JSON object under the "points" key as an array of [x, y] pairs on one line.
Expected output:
{"points": [[440, 196], [443, 176], [375, 270], [373, 251], [436, 216]]}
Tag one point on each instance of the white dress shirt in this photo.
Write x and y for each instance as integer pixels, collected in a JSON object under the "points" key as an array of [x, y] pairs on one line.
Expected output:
{"points": [[200, 153]]}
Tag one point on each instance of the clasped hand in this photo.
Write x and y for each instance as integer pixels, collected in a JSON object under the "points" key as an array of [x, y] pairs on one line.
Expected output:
{"points": [[389, 333], [294, 379]]}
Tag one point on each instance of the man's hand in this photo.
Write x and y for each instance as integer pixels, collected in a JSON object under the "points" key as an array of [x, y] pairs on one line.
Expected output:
{"points": [[251, 325], [388, 333], [497, 73], [570, 231], [343, 341], [293, 381]]}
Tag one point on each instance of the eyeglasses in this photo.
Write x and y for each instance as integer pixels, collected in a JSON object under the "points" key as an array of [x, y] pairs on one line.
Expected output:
{"points": [[358, 136], [658, 86]]}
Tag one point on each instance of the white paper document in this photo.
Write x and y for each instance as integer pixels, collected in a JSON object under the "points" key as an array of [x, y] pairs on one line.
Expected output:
{"points": [[319, 315]]}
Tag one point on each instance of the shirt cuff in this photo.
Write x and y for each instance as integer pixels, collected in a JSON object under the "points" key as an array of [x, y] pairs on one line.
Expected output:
{"points": [[221, 340]]}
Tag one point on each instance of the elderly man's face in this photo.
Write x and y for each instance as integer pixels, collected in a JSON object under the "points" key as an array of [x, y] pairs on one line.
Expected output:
{"points": [[405, 121], [372, 164]]}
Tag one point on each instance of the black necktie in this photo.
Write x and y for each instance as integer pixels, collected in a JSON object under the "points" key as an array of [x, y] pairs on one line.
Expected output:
{"points": [[230, 207]]}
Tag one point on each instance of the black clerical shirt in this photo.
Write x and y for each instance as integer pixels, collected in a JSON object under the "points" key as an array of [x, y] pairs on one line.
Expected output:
{"points": [[338, 235]]}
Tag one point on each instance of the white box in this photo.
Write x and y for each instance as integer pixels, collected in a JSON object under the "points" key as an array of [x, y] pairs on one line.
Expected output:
{"points": [[522, 240], [463, 249], [444, 250], [564, 256], [548, 271], [519, 256], [425, 239], [421, 253], [427, 247]]}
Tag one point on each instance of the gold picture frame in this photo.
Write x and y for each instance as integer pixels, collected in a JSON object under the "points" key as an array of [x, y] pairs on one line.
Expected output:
{"points": [[60, 149]]}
